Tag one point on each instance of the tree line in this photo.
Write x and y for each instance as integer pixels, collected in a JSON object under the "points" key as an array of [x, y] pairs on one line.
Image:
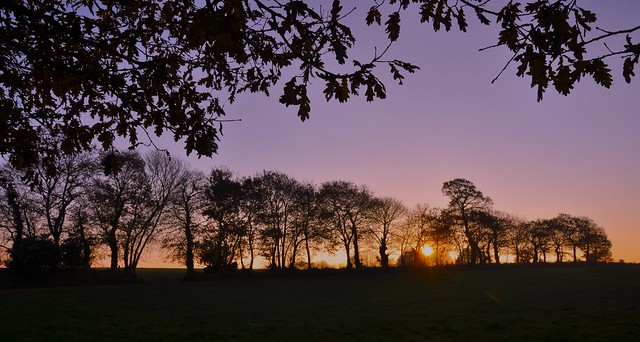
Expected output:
{"points": [[67, 218]]}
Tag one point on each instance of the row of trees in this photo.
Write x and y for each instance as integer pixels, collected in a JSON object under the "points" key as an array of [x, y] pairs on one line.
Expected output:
{"points": [[478, 234], [222, 221]]}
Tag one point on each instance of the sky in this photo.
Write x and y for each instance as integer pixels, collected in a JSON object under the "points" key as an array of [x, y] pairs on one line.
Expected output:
{"points": [[576, 154]]}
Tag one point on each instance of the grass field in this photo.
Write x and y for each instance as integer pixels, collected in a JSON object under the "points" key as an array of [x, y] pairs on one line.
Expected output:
{"points": [[543, 303]]}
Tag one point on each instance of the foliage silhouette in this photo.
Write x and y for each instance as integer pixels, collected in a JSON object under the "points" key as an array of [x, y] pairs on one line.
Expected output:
{"points": [[79, 71]]}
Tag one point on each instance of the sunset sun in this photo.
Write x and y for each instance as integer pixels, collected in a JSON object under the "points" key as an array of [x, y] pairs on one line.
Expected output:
{"points": [[427, 250]]}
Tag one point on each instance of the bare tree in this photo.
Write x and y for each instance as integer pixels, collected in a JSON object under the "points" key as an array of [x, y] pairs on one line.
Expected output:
{"points": [[185, 210], [558, 237], [383, 218], [250, 206], [308, 230], [539, 237], [223, 233], [12, 221], [517, 237], [593, 241], [464, 199], [569, 225], [56, 191], [129, 205], [147, 210], [276, 216], [439, 232], [110, 195], [493, 227], [344, 206]]}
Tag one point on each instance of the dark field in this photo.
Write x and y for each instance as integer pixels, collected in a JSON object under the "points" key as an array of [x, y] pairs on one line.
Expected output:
{"points": [[543, 303]]}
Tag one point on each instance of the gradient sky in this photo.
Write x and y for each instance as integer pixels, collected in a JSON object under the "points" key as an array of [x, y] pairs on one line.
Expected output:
{"points": [[577, 154]]}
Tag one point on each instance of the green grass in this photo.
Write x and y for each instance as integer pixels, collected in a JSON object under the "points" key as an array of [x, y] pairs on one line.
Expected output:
{"points": [[567, 303]]}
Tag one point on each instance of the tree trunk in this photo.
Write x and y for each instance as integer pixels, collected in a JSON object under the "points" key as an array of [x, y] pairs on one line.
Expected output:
{"points": [[356, 250], [113, 246], [475, 249], [292, 264], [86, 251], [384, 258], [275, 259], [283, 250], [251, 256], [476, 253], [306, 241], [348, 251], [16, 250], [189, 252]]}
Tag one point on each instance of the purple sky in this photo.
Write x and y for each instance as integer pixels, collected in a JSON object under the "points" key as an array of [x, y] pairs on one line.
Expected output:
{"points": [[577, 154]]}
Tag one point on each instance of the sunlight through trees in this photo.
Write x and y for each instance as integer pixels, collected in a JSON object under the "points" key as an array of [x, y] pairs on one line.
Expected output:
{"points": [[224, 222]]}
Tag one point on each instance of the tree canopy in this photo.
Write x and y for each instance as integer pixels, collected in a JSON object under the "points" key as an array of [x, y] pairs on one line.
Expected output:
{"points": [[78, 72]]}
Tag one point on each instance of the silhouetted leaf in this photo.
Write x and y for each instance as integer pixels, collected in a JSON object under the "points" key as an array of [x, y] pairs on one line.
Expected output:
{"points": [[562, 81], [601, 73], [335, 9], [483, 19], [396, 74], [628, 69], [462, 21], [426, 10], [393, 26], [374, 16], [437, 16]]}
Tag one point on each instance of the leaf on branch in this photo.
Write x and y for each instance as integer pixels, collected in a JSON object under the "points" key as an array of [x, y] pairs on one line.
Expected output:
{"points": [[426, 11], [339, 50], [393, 26], [446, 20], [334, 89], [374, 16], [631, 47], [588, 16], [296, 95], [581, 20], [411, 68], [628, 68], [289, 96], [437, 16], [304, 104], [396, 74], [335, 9], [379, 89], [483, 19], [534, 6], [509, 37], [509, 14], [562, 80], [601, 73], [111, 164], [462, 21], [369, 93], [342, 93]]}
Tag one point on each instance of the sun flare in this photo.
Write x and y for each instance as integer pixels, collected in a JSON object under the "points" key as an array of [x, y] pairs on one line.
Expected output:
{"points": [[427, 250]]}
